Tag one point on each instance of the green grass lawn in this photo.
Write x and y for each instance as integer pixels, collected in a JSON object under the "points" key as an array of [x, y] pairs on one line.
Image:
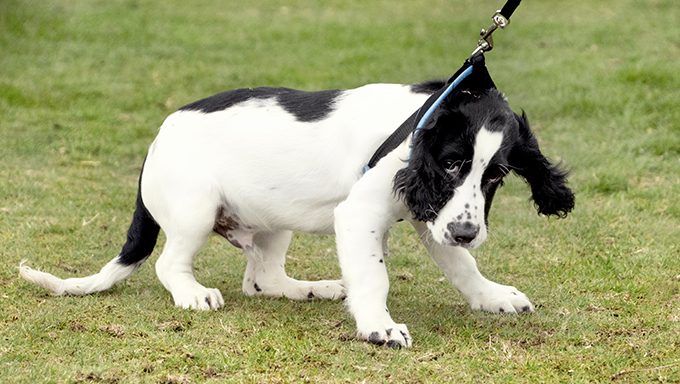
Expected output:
{"points": [[84, 86]]}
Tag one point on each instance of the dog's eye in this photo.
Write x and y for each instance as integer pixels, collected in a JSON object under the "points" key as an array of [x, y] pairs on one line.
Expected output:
{"points": [[452, 166], [495, 174]]}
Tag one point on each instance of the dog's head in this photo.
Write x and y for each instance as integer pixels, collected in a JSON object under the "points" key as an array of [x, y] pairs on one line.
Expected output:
{"points": [[459, 159]]}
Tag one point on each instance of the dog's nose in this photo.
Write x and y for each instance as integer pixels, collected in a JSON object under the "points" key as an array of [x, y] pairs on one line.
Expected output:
{"points": [[463, 233]]}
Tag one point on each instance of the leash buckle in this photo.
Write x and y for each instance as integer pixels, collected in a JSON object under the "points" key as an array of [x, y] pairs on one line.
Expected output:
{"points": [[485, 43]]}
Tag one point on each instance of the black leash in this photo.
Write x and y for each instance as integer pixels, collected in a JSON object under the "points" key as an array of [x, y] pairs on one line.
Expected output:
{"points": [[473, 74]]}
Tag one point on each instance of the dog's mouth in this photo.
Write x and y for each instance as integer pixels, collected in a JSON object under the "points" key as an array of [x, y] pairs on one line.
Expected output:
{"points": [[453, 243]]}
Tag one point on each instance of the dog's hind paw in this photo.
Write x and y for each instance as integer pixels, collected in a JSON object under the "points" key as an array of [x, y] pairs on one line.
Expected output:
{"points": [[325, 289], [296, 289]]}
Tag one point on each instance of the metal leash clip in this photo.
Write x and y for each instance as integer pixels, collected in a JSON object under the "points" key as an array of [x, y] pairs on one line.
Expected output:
{"points": [[485, 43]]}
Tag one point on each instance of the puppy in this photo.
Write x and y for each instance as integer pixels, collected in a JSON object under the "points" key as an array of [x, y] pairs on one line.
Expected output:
{"points": [[255, 165]]}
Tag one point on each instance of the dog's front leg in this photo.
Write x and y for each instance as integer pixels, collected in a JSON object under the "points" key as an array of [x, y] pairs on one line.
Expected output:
{"points": [[461, 269], [361, 224], [360, 230]]}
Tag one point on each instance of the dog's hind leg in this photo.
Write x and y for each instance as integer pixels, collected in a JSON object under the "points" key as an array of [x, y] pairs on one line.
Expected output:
{"points": [[186, 231], [266, 276], [174, 269]]}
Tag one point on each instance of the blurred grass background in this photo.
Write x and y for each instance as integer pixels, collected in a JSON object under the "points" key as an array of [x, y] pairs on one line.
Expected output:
{"points": [[84, 86]]}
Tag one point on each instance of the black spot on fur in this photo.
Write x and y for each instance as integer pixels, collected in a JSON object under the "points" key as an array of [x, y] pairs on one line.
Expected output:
{"points": [[429, 87], [257, 287], [309, 106], [305, 106]]}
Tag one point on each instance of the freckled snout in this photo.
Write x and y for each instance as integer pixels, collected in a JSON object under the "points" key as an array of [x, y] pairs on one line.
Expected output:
{"points": [[461, 233]]}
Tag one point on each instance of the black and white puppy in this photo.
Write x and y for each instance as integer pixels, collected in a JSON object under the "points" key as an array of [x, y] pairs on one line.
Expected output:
{"points": [[255, 165]]}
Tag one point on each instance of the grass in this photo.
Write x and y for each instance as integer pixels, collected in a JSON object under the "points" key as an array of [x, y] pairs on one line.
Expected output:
{"points": [[84, 86]]}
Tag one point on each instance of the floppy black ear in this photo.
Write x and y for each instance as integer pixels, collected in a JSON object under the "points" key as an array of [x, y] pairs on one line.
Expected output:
{"points": [[547, 181], [422, 183]]}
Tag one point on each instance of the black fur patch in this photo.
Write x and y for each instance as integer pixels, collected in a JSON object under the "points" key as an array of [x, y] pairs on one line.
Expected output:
{"points": [[142, 234], [305, 106], [548, 181], [429, 87]]}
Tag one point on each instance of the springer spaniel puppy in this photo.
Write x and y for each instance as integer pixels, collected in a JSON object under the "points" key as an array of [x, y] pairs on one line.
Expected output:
{"points": [[255, 165]]}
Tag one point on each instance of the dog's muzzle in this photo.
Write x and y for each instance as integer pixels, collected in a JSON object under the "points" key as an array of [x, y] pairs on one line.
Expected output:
{"points": [[461, 233]]}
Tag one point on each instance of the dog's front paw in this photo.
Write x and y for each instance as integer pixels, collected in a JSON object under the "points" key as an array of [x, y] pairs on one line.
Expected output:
{"points": [[497, 298], [392, 335], [198, 297]]}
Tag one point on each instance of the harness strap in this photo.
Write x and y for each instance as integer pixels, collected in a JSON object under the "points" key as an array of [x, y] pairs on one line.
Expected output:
{"points": [[472, 75], [397, 137], [447, 91]]}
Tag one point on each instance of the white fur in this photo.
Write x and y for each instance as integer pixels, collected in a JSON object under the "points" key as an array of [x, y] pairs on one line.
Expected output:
{"points": [[110, 274], [276, 175]]}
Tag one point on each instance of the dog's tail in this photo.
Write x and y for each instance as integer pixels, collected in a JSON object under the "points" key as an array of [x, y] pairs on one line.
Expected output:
{"points": [[141, 240]]}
